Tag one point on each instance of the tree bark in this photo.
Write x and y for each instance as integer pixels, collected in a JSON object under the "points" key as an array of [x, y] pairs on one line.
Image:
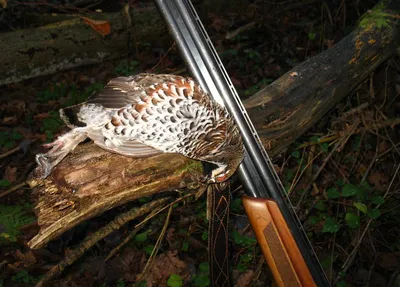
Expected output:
{"points": [[91, 180], [73, 43]]}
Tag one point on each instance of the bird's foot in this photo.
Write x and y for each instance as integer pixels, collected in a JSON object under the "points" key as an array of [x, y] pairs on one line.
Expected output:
{"points": [[44, 165], [59, 149], [46, 161], [55, 146]]}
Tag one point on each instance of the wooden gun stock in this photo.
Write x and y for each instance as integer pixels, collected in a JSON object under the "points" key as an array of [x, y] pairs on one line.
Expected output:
{"points": [[277, 243]]}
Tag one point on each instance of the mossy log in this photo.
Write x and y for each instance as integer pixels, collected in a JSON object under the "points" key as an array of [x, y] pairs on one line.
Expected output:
{"points": [[73, 43], [292, 104]]}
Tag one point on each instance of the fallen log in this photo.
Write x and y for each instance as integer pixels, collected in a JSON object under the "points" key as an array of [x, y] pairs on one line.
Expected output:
{"points": [[284, 110], [73, 43], [91, 180]]}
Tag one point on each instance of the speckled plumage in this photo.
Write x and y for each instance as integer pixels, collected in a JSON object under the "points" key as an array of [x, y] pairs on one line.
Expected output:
{"points": [[148, 114]]}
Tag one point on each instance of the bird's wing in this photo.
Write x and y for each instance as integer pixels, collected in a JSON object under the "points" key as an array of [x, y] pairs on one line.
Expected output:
{"points": [[122, 91], [118, 93], [130, 148]]}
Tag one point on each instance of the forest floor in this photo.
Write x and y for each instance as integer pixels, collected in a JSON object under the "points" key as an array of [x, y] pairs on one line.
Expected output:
{"points": [[352, 216]]}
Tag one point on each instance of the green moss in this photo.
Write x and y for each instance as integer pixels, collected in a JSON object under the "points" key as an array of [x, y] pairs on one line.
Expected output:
{"points": [[376, 17], [192, 167]]}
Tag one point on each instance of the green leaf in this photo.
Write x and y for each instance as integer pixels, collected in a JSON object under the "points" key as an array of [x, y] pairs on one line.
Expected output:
{"points": [[311, 36], [4, 183], [143, 200], [365, 185], [325, 147], [201, 281], [23, 277], [352, 220], [326, 262], [15, 135], [377, 200], [175, 281], [296, 154], [361, 207], [204, 267], [356, 142], [349, 190], [374, 213], [204, 236], [367, 146], [340, 182], [7, 237], [12, 218], [333, 193], [341, 284], [314, 220], [246, 258], [148, 249], [185, 246], [121, 283], [243, 240], [236, 204], [315, 139], [320, 205], [142, 237], [330, 226]]}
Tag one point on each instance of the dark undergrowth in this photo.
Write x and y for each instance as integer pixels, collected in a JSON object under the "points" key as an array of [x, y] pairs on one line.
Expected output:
{"points": [[342, 175]]}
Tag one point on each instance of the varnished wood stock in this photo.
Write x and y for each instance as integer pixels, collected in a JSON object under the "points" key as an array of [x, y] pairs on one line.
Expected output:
{"points": [[277, 243]]}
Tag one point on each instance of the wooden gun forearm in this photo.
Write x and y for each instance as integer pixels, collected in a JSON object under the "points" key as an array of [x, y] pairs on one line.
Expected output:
{"points": [[277, 243]]}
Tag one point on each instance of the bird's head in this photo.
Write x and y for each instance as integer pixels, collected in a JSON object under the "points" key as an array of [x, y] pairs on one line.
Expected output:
{"points": [[228, 152]]}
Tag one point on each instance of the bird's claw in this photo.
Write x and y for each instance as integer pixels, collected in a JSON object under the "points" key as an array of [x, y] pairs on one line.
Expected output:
{"points": [[44, 166], [55, 146]]}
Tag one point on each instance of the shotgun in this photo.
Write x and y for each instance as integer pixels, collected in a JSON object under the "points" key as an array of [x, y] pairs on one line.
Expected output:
{"points": [[279, 233]]}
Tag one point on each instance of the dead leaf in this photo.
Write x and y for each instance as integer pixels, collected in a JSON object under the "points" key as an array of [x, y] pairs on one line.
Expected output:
{"points": [[100, 26], [170, 236], [245, 279], [27, 258], [9, 121], [237, 83], [330, 43], [41, 116], [10, 174], [388, 260], [378, 180], [163, 266]]}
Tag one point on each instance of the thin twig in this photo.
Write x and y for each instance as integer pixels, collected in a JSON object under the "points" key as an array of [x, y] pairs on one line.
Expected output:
{"points": [[162, 58], [22, 146], [353, 111], [9, 152], [296, 178], [157, 245], [303, 195], [91, 240], [390, 122], [239, 30], [14, 188], [131, 235], [373, 161]]}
